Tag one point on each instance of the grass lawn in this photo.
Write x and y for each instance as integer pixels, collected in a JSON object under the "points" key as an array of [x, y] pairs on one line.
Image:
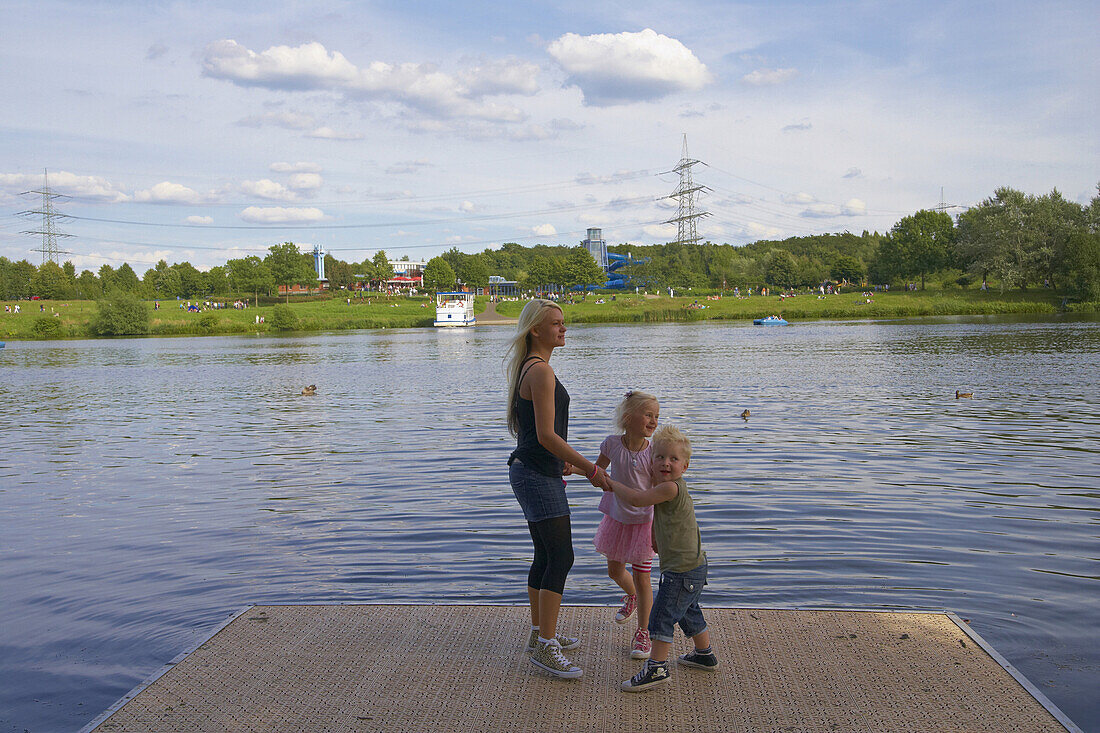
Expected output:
{"points": [[633, 308], [338, 314]]}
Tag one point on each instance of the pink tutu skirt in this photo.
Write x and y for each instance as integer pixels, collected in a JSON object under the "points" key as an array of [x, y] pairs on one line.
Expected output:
{"points": [[624, 542]]}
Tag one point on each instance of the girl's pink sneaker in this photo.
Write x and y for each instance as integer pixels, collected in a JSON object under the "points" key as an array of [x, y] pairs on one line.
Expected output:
{"points": [[629, 604], [642, 645]]}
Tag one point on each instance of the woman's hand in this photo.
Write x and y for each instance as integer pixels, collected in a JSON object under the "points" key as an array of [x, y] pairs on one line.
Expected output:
{"points": [[599, 479], [567, 469]]}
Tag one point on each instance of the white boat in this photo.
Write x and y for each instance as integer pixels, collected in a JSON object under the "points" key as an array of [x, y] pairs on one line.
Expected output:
{"points": [[454, 309]]}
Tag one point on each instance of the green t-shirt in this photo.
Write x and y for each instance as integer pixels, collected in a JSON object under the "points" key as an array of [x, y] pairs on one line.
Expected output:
{"points": [[677, 533]]}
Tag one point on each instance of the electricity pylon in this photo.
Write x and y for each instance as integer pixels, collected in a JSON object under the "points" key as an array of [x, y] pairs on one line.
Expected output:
{"points": [[686, 217], [49, 231]]}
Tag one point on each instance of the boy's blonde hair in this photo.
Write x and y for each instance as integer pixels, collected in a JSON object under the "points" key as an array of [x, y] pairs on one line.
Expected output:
{"points": [[671, 435], [632, 403]]}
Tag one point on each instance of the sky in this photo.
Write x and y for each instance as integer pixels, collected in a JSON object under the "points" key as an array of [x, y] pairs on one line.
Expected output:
{"points": [[206, 131]]}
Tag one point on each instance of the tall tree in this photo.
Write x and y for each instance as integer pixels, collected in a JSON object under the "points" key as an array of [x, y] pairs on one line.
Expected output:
{"points": [[781, 270], [927, 240], [848, 269], [88, 286], [192, 283], [474, 272], [581, 269], [383, 270], [49, 282], [250, 275], [127, 280], [992, 238], [438, 275], [287, 266]]}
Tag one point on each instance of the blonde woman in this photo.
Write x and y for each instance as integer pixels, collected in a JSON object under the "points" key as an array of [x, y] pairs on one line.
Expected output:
{"points": [[538, 415]]}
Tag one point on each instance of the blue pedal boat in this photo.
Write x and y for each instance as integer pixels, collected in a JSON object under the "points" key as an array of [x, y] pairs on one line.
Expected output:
{"points": [[769, 321]]}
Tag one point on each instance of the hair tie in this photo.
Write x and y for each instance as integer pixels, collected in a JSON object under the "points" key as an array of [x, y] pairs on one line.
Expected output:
{"points": [[628, 393]]}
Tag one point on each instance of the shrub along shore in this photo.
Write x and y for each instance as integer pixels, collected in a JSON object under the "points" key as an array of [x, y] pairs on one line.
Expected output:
{"points": [[85, 319]]}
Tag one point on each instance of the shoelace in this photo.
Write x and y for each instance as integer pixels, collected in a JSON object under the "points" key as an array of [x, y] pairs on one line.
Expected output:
{"points": [[557, 656]]}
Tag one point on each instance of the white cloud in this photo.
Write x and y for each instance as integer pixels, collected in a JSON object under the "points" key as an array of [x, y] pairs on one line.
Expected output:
{"points": [[281, 215], [854, 207], [286, 120], [853, 173], [666, 232], [765, 77], [467, 207], [500, 76], [167, 192], [762, 231], [199, 220], [95, 188], [798, 198], [417, 86], [544, 230], [299, 167], [305, 182], [265, 188], [628, 67], [327, 133]]}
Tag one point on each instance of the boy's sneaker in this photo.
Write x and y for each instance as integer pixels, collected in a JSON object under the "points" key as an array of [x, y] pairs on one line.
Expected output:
{"points": [[566, 642], [709, 662], [642, 645], [651, 675], [548, 656], [629, 604]]}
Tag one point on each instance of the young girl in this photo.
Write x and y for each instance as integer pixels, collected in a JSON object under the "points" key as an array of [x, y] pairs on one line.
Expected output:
{"points": [[624, 532]]}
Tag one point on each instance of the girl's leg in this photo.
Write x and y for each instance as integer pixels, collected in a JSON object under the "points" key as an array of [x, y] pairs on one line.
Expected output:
{"points": [[617, 571], [645, 596]]}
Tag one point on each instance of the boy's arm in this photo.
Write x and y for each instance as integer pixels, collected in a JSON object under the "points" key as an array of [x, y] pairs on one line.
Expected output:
{"points": [[644, 497]]}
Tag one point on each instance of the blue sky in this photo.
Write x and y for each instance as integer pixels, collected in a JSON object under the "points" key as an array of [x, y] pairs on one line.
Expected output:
{"points": [[205, 131]]}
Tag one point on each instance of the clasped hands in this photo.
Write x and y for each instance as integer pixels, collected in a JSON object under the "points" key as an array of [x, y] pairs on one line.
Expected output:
{"points": [[600, 479]]}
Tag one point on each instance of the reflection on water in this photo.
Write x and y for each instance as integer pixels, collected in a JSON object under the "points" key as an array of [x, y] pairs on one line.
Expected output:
{"points": [[151, 486]]}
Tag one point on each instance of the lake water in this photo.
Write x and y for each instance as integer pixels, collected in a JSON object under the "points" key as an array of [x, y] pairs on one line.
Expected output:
{"points": [[150, 487]]}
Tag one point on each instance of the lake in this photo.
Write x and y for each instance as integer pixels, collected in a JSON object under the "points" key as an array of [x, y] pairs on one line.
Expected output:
{"points": [[150, 487]]}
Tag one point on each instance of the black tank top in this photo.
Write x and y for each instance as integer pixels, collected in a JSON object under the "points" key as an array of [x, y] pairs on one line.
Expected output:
{"points": [[528, 449]]}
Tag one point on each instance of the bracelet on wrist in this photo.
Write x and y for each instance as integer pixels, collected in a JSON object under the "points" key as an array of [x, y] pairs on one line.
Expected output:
{"points": [[592, 475]]}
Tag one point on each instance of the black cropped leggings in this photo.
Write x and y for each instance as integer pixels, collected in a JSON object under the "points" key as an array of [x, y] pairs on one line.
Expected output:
{"points": [[553, 540]]}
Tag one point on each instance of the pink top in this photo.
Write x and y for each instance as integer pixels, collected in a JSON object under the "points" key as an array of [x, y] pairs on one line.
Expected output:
{"points": [[632, 469]]}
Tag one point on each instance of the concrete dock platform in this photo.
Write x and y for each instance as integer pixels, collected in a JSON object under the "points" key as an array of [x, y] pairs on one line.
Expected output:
{"points": [[366, 667]]}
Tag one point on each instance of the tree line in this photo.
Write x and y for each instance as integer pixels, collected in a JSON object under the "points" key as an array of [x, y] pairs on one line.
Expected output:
{"points": [[1010, 240]]}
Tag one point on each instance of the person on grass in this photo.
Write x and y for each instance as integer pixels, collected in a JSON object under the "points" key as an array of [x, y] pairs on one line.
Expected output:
{"points": [[624, 534], [679, 544], [538, 415]]}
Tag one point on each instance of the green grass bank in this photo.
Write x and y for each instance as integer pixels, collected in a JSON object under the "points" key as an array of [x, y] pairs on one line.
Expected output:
{"points": [[73, 318]]}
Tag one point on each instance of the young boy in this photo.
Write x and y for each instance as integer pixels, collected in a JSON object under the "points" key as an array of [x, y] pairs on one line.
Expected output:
{"points": [[683, 562]]}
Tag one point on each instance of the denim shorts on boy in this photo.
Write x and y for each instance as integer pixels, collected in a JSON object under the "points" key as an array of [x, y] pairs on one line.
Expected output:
{"points": [[677, 602], [540, 496]]}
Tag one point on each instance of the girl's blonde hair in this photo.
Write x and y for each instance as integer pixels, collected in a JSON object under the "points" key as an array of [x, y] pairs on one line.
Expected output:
{"points": [[671, 435], [633, 403], [531, 316]]}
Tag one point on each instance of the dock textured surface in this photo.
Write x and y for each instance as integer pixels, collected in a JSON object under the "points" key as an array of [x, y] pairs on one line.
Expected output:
{"points": [[448, 668]]}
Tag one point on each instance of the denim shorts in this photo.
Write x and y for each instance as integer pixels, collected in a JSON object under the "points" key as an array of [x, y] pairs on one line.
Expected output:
{"points": [[540, 496], [677, 602]]}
